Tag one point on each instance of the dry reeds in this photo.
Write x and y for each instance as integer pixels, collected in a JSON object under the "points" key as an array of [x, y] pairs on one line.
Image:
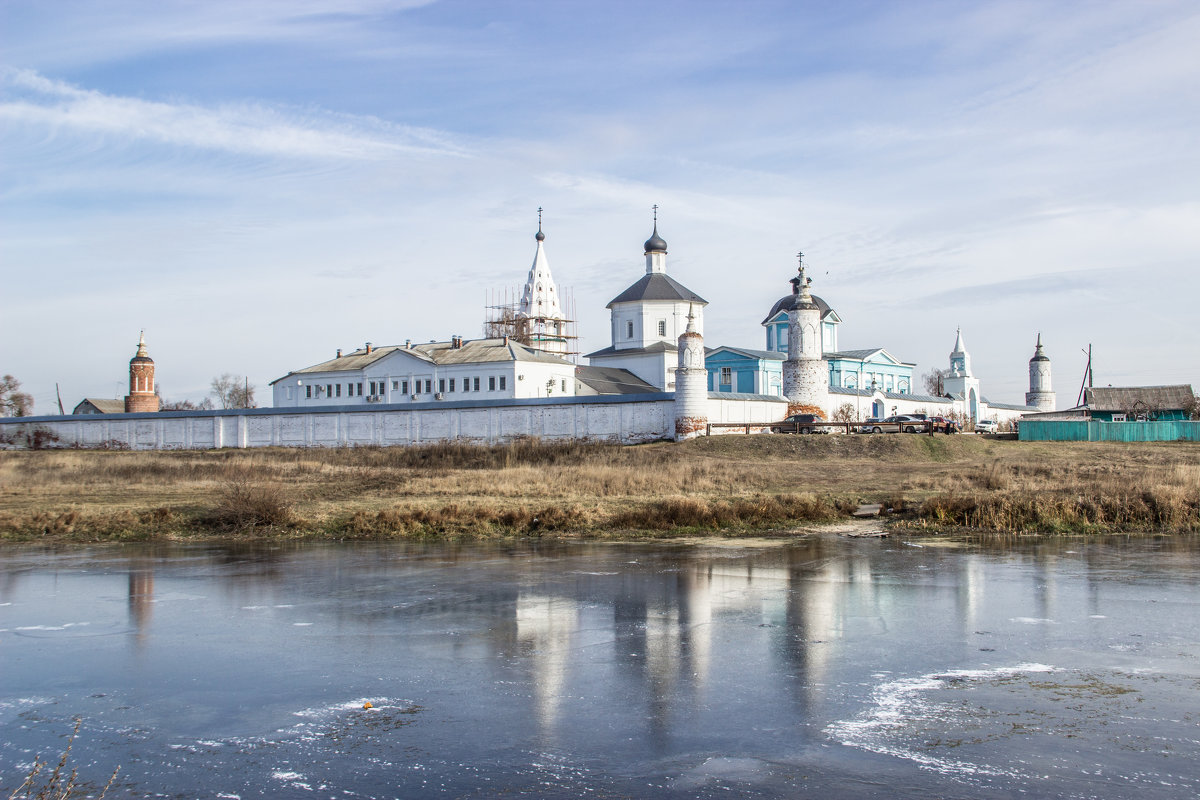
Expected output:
{"points": [[57, 785]]}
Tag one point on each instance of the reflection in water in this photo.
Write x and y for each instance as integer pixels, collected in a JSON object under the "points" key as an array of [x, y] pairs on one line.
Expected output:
{"points": [[558, 669], [141, 597], [545, 628]]}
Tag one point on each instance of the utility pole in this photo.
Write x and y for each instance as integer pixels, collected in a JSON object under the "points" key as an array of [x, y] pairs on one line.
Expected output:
{"points": [[1087, 377]]}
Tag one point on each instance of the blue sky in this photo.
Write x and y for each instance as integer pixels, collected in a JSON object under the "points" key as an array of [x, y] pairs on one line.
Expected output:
{"points": [[258, 184]]}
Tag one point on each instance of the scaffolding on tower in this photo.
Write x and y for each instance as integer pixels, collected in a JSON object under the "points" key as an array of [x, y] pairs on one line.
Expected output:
{"points": [[555, 335]]}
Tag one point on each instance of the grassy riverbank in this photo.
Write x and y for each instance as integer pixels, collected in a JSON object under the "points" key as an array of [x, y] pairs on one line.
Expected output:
{"points": [[729, 483]]}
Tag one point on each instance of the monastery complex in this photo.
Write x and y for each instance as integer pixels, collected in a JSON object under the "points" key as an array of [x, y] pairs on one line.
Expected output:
{"points": [[655, 379], [656, 330]]}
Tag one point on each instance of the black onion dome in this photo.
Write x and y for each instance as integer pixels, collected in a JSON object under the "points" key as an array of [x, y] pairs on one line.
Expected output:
{"points": [[1039, 356], [656, 243], [790, 301], [541, 237]]}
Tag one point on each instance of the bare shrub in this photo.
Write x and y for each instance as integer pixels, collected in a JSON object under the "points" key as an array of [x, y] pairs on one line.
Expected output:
{"points": [[243, 505]]}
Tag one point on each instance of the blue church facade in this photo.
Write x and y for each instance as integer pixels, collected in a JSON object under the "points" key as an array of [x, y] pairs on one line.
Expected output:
{"points": [[748, 371]]}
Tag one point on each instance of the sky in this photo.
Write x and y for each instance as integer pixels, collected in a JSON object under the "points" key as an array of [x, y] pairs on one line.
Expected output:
{"points": [[256, 184]]}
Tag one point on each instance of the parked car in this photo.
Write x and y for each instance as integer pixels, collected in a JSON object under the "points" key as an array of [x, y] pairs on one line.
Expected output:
{"points": [[945, 425], [986, 426], [800, 423], [909, 423], [869, 425]]}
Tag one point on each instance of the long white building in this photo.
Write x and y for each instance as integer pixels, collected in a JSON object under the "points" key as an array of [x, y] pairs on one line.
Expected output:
{"points": [[459, 369]]}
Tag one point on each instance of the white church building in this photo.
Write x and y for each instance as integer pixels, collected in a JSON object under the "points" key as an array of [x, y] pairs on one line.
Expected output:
{"points": [[647, 320]]}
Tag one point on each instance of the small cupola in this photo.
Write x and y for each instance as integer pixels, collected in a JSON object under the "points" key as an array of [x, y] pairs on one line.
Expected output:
{"points": [[656, 249]]}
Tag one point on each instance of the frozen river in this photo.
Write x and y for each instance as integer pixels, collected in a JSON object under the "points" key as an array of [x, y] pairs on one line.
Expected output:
{"points": [[831, 668]]}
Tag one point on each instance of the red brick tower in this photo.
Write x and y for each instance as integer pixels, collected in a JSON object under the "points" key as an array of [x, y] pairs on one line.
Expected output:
{"points": [[141, 395]]}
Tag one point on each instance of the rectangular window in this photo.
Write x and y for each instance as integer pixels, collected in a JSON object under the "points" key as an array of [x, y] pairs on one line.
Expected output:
{"points": [[662, 327], [360, 390], [564, 384], [403, 387], [629, 329], [428, 386], [452, 384], [477, 384], [372, 387], [396, 385], [329, 390], [491, 383], [308, 392], [503, 382], [726, 376], [338, 387], [442, 385]]}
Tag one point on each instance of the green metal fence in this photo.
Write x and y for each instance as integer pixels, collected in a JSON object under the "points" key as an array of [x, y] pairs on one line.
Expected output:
{"points": [[1054, 430]]}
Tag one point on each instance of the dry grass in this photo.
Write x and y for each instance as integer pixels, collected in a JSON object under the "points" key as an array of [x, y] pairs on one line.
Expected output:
{"points": [[727, 482]]}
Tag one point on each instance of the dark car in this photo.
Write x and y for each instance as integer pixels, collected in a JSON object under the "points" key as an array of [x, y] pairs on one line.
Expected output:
{"points": [[799, 423], [945, 425]]}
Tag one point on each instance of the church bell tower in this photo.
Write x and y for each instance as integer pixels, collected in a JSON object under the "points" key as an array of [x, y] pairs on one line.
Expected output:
{"points": [[141, 397]]}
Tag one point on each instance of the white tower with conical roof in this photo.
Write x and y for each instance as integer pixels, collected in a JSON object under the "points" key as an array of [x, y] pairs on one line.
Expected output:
{"points": [[540, 320], [960, 381], [1040, 395]]}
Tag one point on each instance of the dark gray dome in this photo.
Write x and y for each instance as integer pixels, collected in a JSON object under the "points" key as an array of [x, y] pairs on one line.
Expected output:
{"points": [[790, 301], [656, 243], [541, 237]]}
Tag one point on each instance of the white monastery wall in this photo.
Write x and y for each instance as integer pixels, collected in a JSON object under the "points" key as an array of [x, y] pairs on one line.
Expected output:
{"points": [[646, 418], [752, 410]]}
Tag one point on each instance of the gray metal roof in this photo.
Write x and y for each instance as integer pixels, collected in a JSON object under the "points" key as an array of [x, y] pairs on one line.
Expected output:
{"points": [[1126, 398], [746, 396], [477, 351], [916, 398], [657, 347], [611, 380], [1007, 406], [657, 286]]}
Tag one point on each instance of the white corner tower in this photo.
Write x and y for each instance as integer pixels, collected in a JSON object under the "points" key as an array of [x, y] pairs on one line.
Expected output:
{"points": [[805, 372], [1040, 395], [960, 382], [691, 384]]}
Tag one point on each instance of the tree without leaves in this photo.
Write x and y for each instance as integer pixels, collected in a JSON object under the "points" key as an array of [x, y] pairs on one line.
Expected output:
{"points": [[14, 402], [187, 405], [935, 381], [233, 391], [845, 413]]}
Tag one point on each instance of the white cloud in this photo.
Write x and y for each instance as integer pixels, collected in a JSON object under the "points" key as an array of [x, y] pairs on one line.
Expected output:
{"points": [[242, 129]]}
